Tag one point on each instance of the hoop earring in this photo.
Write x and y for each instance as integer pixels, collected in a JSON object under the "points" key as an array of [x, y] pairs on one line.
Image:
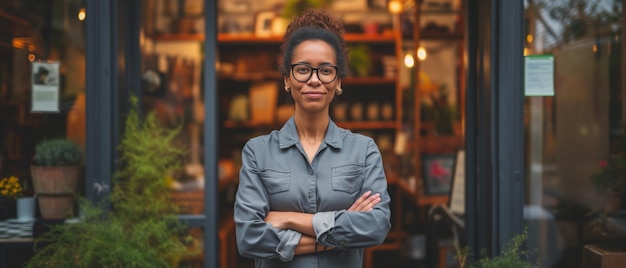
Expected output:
{"points": [[287, 89], [339, 91]]}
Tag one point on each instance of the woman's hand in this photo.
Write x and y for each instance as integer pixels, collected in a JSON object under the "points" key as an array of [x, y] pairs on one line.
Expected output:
{"points": [[365, 203]]}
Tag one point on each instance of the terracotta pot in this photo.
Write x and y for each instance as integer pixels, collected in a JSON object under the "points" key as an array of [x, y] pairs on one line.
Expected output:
{"points": [[55, 188], [55, 180]]}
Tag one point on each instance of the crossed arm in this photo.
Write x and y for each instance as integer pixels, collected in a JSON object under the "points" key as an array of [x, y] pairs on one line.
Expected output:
{"points": [[303, 222]]}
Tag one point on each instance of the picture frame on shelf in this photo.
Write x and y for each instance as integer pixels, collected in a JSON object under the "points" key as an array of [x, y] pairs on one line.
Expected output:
{"points": [[377, 4], [437, 173], [263, 23]]}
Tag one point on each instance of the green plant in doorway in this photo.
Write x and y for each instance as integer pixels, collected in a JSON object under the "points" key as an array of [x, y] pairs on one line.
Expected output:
{"points": [[141, 229], [513, 256]]}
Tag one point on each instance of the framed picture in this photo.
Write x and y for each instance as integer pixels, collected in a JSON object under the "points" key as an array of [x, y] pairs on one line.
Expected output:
{"points": [[437, 173], [45, 87], [377, 4], [263, 23]]}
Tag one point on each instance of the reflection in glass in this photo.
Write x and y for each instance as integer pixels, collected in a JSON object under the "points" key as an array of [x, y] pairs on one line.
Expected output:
{"points": [[571, 136]]}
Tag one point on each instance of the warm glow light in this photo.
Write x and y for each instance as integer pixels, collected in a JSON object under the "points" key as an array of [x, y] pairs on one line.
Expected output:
{"points": [[395, 6], [81, 14], [595, 48], [525, 51], [421, 53], [529, 38], [409, 62], [31, 57]]}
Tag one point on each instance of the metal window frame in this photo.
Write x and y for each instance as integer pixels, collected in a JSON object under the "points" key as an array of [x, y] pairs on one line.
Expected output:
{"points": [[495, 125]]}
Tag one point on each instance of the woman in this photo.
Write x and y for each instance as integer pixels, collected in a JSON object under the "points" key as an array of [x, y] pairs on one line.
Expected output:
{"points": [[311, 194]]}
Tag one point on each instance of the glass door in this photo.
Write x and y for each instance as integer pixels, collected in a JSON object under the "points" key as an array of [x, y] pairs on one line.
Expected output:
{"points": [[575, 129]]}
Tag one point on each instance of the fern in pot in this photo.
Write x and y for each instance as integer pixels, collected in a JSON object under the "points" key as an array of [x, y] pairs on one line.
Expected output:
{"points": [[56, 174]]}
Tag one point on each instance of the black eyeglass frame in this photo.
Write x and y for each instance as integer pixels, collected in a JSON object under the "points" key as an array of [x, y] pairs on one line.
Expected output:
{"points": [[313, 69]]}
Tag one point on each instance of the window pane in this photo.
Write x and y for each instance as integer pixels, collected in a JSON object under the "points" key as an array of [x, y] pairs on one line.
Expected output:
{"points": [[42, 80], [573, 135]]}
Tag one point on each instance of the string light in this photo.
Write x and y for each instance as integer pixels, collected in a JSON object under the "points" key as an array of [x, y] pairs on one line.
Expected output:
{"points": [[409, 62], [421, 53], [81, 14], [395, 6]]}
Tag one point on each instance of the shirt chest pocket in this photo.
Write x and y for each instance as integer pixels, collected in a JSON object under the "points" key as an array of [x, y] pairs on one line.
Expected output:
{"points": [[348, 178], [275, 181]]}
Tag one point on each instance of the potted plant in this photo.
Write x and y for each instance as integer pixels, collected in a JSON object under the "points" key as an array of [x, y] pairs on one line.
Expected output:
{"points": [[611, 180], [10, 191], [56, 173], [141, 229]]}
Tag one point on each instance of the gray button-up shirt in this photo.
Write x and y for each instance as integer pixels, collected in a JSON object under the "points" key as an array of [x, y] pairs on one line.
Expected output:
{"points": [[276, 176]]}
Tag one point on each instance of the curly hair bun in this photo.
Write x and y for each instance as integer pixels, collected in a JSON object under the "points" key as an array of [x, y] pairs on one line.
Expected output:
{"points": [[316, 18]]}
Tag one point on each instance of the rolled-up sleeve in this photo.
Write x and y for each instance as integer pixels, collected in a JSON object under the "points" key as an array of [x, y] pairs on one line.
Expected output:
{"points": [[256, 238], [359, 229]]}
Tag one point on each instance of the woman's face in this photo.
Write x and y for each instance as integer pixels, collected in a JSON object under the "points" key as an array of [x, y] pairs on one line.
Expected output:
{"points": [[313, 95]]}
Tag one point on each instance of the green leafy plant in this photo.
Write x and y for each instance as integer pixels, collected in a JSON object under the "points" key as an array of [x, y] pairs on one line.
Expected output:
{"points": [[294, 8], [141, 230], [440, 112], [513, 255], [57, 152], [360, 60]]}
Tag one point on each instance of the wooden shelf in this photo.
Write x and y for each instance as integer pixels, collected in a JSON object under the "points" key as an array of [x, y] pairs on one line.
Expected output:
{"points": [[347, 125], [253, 39], [364, 125], [370, 80]]}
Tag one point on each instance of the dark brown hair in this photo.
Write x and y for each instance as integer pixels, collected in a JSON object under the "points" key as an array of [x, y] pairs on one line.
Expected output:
{"points": [[315, 24]]}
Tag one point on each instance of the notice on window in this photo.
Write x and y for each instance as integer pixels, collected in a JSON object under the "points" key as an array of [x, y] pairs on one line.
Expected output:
{"points": [[539, 75], [45, 90]]}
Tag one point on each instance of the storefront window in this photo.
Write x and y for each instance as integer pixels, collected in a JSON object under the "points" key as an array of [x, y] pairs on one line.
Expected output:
{"points": [[575, 134], [42, 80]]}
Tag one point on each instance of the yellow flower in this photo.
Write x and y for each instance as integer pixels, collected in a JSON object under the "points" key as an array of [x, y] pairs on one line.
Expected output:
{"points": [[11, 188]]}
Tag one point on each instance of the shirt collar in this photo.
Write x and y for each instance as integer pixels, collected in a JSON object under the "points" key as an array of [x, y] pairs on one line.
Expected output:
{"points": [[288, 135]]}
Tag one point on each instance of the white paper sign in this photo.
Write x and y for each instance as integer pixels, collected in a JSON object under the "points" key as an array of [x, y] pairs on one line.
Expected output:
{"points": [[539, 75], [45, 81]]}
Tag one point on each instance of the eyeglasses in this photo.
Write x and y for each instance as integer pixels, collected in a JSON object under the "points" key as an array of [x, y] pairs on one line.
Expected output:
{"points": [[303, 72]]}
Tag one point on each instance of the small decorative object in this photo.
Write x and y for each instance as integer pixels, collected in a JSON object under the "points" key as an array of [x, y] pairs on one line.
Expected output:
{"points": [[263, 99], [612, 175], [238, 110], [610, 182], [437, 172], [356, 111], [387, 111], [56, 174], [26, 209], [372, 111], [263, 23], [10, 190], [340, 111]]}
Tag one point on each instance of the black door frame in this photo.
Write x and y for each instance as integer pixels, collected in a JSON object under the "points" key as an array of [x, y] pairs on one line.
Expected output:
{"points": [[113, 72], [494, 125]]}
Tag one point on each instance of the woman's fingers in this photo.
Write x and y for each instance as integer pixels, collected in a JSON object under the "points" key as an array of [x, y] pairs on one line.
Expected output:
{"points": [[366, 202], [358, 202]]}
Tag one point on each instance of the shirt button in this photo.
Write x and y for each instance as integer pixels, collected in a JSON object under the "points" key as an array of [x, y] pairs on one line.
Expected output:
{"points": [[310, 195]]}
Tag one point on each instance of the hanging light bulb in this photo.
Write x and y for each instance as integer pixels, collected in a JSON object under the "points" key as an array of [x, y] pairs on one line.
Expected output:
{"points": [[81, 14], [409, 62], [421, 53], [395, 6]]}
